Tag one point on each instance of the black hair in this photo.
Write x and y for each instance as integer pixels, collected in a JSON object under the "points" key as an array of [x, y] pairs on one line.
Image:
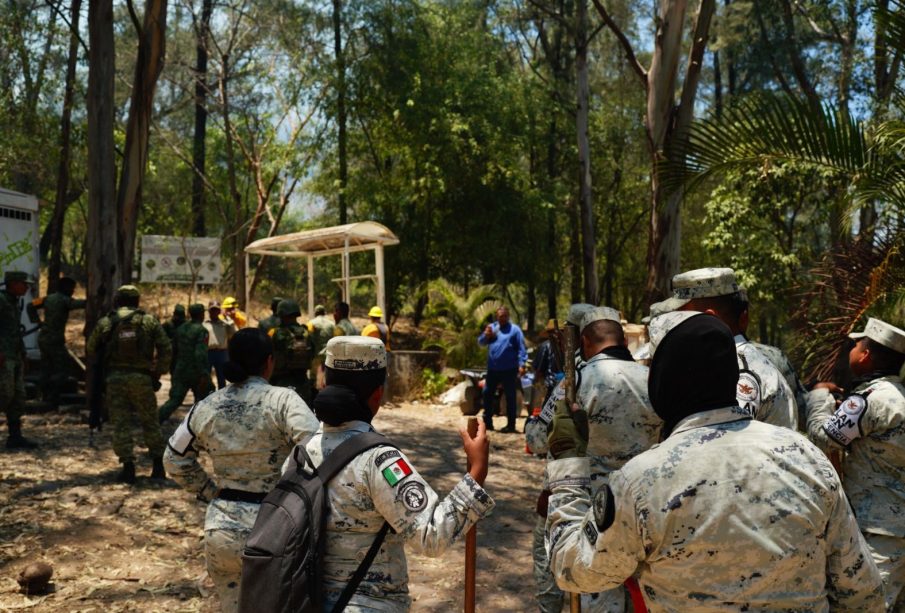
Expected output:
{"points": [[66, 285], [604, 330], [885, 359], [730, 306], [249, 349], [343, 309], [123, 300], [362, 382]]}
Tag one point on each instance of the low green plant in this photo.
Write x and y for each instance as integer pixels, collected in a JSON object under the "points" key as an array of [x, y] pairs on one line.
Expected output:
{"points": [[432, 383]]}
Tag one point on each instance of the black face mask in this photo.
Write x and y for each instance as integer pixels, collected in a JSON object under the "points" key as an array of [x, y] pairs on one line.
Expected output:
{"points": [[694, 369]]}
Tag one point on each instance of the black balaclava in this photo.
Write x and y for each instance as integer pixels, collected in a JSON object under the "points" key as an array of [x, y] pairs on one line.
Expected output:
{"points": [[694, 369]]}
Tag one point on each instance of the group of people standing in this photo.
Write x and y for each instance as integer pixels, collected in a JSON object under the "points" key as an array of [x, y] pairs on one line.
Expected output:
{"points": [[691, 484]]}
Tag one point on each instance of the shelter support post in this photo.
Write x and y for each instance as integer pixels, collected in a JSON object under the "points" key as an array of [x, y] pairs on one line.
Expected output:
{"points": [[310, 286], [381, 284], [247, 289], [346, 272]]}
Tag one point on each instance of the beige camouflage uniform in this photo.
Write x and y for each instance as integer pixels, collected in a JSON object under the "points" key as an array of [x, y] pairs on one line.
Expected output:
{"points": [[129, 378], [726, 514], [766, 393], [869, 425], [363, 495], [247, 429], [781, 361]]}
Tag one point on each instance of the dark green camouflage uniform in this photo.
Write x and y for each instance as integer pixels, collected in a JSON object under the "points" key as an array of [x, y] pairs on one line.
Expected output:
{"points": [[52, 342], [292, 353], [171, 326], [130, 377], [269, 323], [191, 370], [12, 356]]}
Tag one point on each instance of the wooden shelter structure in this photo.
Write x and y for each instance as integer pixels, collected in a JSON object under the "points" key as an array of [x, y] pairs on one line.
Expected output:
{"points": [[336, 240]]}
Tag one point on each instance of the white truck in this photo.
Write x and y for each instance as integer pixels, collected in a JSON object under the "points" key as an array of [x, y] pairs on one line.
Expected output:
{"points": [[19, 238]]}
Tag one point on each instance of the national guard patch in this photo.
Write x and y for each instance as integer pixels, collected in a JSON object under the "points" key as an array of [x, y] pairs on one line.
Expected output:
{"points": [[558, 393], [591, 532], [413, 496], [845, 424], [748, 391], [386, 455], [183, 438]]}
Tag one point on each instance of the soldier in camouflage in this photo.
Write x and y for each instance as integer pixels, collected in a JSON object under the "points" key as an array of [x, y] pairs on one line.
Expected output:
{"points": [[727, 513], [762, 390], [52, 336], [868, 426], [292, 350], [247, 429], [320, 330], [191, 370], [341, 318], [134, 351], [271, 321], [381, 485], [170, 326], [12, 358]]}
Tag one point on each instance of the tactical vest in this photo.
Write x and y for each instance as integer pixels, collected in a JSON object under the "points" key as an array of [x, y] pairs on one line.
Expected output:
{"points": [[291, 354], [127, 343]]}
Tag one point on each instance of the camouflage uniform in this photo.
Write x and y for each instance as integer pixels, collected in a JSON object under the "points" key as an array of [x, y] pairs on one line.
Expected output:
{"points": [[345, 327], [763, 389], [869, 426], [365, 499], [52, 342], [292, 351], [247, 429], [726, 514], [320, 329], [130, 375], [269, 323], [191, 370], [12, 352], [781, 361]]}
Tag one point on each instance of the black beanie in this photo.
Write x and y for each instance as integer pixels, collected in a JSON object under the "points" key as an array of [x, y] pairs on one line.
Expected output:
{"points": [[694, 369]]}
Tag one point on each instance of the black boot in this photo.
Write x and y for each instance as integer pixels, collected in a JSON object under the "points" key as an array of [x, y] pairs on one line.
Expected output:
{"points": [[158, 472], [16, 440], [127, 474]]}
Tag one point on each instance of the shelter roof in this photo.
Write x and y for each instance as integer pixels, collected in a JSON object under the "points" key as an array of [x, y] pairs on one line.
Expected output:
{"points": [[361, 236]]}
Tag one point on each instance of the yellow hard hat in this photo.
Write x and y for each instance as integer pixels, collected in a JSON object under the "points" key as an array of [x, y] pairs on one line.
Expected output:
{"points": [[375, 312], [230, 302]]}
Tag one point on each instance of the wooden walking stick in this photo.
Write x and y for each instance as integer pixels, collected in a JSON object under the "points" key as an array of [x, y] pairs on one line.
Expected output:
{"points": [[570, 345], [471, 540]]}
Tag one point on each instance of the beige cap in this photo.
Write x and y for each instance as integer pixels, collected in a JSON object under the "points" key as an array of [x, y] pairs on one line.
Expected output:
{"points": [[597, 314], [662, 325], [577, 311], [355, 353], [702, 283], [886, 334]]}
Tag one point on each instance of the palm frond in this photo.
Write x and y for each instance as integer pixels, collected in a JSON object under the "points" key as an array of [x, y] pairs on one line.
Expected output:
{"points": [[891, 22]]}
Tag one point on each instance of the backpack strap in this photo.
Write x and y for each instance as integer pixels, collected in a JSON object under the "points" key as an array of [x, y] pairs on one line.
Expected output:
{"points": [[342, 455]]}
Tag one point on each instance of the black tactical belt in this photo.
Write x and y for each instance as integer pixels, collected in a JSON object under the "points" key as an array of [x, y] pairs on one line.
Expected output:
{"points": [[240, 496]]}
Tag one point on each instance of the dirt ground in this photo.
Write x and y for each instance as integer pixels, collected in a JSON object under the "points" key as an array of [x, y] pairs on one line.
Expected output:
{"points": [[120, 548]]}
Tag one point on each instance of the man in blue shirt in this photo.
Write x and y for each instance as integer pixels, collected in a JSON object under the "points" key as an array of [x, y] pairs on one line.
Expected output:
{"points": [[506, 357]]}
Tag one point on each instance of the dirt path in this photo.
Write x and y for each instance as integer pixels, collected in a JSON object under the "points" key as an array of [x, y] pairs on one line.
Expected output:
{"points": [[116, 548]]}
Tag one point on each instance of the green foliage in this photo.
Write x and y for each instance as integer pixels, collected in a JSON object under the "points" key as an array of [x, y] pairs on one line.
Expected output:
{"points": [[432, 383], [459, 318]]}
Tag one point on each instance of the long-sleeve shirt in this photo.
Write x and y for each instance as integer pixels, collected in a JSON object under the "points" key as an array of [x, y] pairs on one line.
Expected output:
{"points": [[379, 485], [727, 513], [870, 426], [506, 350], [762, 389]]}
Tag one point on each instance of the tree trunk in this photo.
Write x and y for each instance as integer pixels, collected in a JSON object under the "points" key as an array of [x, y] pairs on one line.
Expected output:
{"points": [[104, 274], [340, 108], [664, 121], [199, 227], [55, 238], [574, 252], [588, 242], [148, 65]]}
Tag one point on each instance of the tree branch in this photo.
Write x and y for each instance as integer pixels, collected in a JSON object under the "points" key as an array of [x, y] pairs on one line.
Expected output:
{"points": [[633, 62], [134, 16]]}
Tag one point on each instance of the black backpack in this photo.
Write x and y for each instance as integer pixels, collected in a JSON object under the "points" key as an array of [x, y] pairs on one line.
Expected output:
{"points": [[282, 562]]}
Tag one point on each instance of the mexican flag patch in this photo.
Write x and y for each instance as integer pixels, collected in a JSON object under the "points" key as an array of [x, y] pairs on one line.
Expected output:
{"points": [[396, 472]]}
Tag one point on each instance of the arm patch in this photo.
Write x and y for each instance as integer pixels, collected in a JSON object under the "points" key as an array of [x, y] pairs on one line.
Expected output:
{"points": [[182, 439], [845, 424]]}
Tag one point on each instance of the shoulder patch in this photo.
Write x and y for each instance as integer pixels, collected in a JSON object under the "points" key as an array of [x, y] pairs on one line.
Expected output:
{"points": [[845, 424], [748, 391], [396, 472], [182, 439], [386, 455], [591, 532], [558, 393], [413, 496]]}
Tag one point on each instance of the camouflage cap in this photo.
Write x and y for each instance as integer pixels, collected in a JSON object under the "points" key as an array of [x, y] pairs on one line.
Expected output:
{"points": [[128, 290], [598, 314], [196, 309], [11, 276], [178, 310], [661, 308], [288, 307], [703, 283], [881, 332], [355, 353], [577, 311], [662, 325]]}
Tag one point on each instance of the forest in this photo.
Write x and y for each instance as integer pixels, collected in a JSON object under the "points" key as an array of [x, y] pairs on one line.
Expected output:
{"points": [[539, 151]]}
